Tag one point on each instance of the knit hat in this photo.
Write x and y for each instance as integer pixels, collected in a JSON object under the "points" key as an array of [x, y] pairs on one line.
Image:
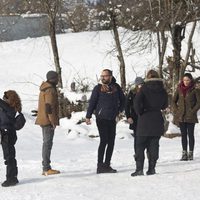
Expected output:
{"points": [[51, 75], [139, 81]]}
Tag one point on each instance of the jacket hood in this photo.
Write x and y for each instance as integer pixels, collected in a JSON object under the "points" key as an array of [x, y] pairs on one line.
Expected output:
{"points": [[154, 85], [45, 85]]}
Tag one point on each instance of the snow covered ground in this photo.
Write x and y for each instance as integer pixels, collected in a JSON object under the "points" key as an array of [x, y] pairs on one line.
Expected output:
{"points": [[23, 65]]}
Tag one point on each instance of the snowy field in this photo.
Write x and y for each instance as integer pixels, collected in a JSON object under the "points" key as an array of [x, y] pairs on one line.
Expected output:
{"points": [[23, 65]]}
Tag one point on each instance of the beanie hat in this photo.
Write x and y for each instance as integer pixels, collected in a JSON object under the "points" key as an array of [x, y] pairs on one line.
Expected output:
{"points": [[51, 75], [139, 81]]}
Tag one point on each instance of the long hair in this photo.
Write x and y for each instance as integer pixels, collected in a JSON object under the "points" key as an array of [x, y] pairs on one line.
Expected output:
{"points": [[13, 100], [152, 74]]}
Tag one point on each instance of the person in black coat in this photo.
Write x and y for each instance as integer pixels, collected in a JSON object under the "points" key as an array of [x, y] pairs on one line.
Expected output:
{"points": [[129, 108], [107, 100], [148, 104], [10, 104]]}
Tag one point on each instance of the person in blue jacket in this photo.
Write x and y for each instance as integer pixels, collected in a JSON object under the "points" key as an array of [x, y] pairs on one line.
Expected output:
{"points": [[107, 101], [9, 106]]}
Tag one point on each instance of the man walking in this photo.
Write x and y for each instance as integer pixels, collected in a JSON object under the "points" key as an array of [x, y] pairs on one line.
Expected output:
{"points": [[107, 100], [48, 118]]}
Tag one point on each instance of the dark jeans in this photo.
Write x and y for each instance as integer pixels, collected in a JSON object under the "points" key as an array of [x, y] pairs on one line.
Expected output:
{"points": [[107, 132], [48, 134], [8, 141], [151, 143], [187, 131]]}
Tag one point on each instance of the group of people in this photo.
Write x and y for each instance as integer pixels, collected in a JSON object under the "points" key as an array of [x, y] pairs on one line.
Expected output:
{"points": [[143, 108]]}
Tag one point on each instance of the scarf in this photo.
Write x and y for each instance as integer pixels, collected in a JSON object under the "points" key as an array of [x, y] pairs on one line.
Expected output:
{"points": [[184, 89]]}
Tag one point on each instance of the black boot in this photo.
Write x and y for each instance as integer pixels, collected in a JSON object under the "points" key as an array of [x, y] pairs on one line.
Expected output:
{"points": [[139, 169], [184, 156], [138, 173], [100, 168], [10, 182], [190, 155], [109, 169], [151, 169]]}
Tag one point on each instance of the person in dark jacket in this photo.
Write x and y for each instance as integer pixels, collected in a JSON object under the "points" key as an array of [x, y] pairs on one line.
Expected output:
{"points": [[186, 103], [129, 108], [151, 99], [107, 100], [10, 104]]}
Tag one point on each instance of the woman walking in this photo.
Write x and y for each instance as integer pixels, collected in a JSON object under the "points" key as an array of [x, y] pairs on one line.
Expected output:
{"points": [[186, 103]]}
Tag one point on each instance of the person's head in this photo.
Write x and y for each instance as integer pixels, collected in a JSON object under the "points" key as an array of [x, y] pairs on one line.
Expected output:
{"points": [[152, 74], [187, 79], [52, 77], [12, 98], [139, 81], [106, 76]]}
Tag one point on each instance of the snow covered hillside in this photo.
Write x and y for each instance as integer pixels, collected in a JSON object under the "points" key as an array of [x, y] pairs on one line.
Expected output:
{"points": [[23, 65]]}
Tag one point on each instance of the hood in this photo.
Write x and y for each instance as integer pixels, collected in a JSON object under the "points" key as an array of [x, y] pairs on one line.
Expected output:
{"points": [[154, 85], [45, 86]]}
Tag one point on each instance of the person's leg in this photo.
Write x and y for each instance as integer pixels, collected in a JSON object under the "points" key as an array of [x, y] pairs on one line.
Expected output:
{"points": [[48, 134], [141, 144], [190, 128], [184, 140], [153, 152], [8, 141], [111, 140]]}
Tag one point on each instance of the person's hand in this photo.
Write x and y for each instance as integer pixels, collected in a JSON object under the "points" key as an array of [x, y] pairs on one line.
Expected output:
{"points": [[130, 120], [87, 121]]}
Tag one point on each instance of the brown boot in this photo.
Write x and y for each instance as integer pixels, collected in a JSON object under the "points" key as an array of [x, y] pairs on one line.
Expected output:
{"points": [[50, 172]]}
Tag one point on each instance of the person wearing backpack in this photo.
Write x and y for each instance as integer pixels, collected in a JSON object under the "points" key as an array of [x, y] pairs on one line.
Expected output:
{"points": [[107, 100], [48, 118], [9, 106]]}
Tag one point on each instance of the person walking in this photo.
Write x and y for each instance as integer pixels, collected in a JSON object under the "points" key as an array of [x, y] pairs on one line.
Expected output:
{"points": [[149, 101], [48, 118], [107, 100], [186, 103], [9, 106], [129, 108]]}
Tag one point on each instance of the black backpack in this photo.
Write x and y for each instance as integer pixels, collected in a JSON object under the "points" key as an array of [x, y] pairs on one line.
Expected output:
{"points": [[19, 121]]}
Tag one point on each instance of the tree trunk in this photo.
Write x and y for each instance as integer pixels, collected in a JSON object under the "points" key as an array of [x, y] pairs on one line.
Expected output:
{"points": [[62, 100], [120, 54]]}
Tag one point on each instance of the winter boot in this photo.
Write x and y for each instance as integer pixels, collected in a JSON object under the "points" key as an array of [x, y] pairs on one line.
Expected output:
{"points": [[138, 173], [101, 168], [184, 156], [50, 172], [190, 155], [10, 182], [109, 169], [151, 169], [139, 169]]}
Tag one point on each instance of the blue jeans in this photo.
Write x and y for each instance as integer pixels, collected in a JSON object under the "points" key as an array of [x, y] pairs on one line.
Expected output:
{"points": [[48, 134]]}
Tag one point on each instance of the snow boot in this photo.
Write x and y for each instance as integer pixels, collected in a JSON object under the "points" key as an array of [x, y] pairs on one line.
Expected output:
{"points": [[151, 169], [50, 172], [190, 155], [10, 182], [139, 169], [105, 168], [138, 173], [184, 156]]}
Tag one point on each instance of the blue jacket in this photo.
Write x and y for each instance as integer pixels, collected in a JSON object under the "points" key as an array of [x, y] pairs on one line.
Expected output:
{"points": [[106, 105], [7, 116]]}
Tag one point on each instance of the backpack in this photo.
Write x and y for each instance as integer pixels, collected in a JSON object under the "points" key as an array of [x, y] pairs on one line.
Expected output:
{"points": [[19, 121]]}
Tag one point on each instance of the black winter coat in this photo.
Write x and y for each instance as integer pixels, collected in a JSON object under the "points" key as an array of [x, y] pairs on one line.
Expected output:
{"points": [[151, 99], [7, 116], [106, 105], [129, 109]]}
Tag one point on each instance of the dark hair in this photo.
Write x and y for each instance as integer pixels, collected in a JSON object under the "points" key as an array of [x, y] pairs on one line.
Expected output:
{"points": [[189, 76], [152, 74], [109, 71]]}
